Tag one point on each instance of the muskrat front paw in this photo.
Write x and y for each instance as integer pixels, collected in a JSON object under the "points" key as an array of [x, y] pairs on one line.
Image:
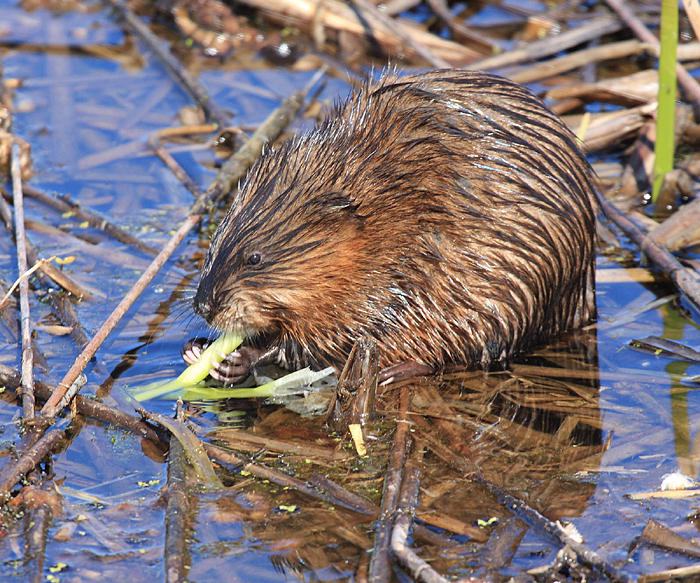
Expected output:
{"points": [[192, 350], [234, 367]]}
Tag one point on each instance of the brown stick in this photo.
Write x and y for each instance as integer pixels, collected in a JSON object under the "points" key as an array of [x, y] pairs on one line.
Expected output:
{"points": [[689, 84], [39, 522], [683, 279], [417, 567], [283, 480], [28, 401], [27, 462], [380, 565], [594, 28], [183, 76]]}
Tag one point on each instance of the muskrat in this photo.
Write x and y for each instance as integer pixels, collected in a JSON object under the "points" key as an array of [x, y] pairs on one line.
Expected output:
{"points": [[449, 216]]}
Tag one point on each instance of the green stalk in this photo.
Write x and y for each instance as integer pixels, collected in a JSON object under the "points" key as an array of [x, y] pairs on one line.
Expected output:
{"points": [[665, 118]]}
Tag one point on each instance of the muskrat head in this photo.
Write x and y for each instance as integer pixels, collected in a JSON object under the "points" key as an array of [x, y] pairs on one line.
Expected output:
{"points": [[283, 255]]}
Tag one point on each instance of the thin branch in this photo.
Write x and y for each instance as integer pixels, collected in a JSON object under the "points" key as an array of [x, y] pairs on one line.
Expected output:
{"points": [[395, 27], [177, 512]]}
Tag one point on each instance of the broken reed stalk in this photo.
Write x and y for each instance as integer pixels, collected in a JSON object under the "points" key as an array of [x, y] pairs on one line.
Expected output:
{"points": [[28, 401], [689, 84], [681, 277], [64, 204], [396, 28], [590, 30], [178, 171], [176, 513], [191, 85], [380, 564], [28, 461], [229, 174]]}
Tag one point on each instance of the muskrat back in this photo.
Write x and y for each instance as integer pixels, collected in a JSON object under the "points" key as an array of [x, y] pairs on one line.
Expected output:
{"points": [[447, 215]]}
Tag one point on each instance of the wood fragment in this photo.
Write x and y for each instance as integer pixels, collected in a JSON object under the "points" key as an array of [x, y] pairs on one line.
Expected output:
{"points": [[405, 511], [338, 16], [659, 535], [10, 379], [281, 479], [424, 52], [28, 399], [592, 29], [48, 269], [40, 518]]}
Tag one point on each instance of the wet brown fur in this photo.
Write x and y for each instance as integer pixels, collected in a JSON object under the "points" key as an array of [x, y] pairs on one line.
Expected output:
{"points": [[449, 215]]}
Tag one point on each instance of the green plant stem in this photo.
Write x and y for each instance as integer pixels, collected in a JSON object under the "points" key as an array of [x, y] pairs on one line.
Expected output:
{"points": [[665, 119]]}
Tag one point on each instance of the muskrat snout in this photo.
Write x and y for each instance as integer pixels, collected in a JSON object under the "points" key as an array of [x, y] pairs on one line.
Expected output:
{"points": [[203, 307]]}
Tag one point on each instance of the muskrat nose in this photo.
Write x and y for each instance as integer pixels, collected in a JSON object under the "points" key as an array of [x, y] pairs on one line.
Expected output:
{"points": [[203, 307]]}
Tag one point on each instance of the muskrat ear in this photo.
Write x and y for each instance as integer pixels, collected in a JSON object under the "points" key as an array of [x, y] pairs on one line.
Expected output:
{"points": [[339, 202]]}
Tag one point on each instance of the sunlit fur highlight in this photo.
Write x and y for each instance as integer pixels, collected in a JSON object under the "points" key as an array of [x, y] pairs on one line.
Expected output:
{"points": [[447, 215]]}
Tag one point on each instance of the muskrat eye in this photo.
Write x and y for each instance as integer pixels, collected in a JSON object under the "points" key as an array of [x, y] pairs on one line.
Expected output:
{"points": [[254, 259]]}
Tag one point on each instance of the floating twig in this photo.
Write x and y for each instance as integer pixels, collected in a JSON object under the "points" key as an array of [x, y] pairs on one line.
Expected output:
{"points": [[48, 269], [406, 508], [183, 76], [286, 481], [28, 461], [22, 277], [420, 49], [10, 379]]}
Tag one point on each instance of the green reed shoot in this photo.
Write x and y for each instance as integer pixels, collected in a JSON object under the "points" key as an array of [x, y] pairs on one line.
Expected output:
{"points": [[665, 118]]}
